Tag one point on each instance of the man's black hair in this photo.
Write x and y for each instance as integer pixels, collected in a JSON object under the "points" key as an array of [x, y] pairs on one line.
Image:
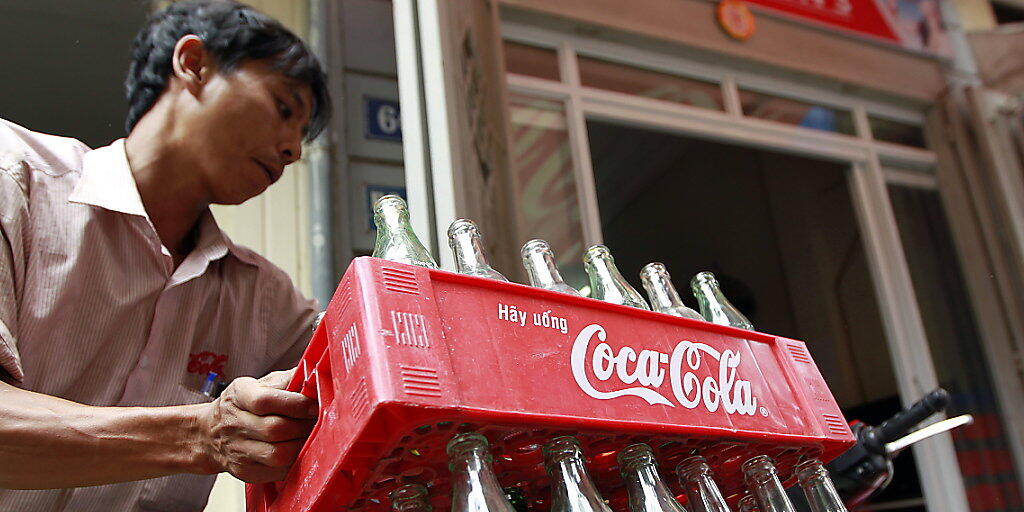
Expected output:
{"points": [[232, 33]]}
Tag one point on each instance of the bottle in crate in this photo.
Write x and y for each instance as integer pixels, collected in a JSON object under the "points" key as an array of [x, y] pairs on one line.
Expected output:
{"points": [[539, 260], [468, 249], [714, 307], [396, 240], [702, 494], [410, 498], [763, 482], [748, 504], [818, 487], [572, 489], [647, 491], [474, 486], [664, 297], [606, 282]]}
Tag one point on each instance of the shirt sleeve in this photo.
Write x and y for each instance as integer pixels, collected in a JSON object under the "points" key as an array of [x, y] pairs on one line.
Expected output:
{"points": [[13, 215], [290, 318]]}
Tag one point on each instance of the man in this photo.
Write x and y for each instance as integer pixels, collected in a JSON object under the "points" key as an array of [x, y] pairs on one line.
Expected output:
{"points": [[119, 293]]}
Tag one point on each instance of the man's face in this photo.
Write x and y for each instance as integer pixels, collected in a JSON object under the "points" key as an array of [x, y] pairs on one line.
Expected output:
{"points": [[248, 125]]}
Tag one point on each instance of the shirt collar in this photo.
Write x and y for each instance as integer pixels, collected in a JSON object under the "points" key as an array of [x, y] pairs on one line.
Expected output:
{"points": [[107, 182]]}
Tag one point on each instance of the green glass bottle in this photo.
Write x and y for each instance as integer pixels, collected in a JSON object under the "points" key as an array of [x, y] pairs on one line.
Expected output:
{"points": [[664, 297], [474, 486], [606, 282], [468, 249], [762, 480], [818, 487], [714, 307], [410, 498], [396, 240]]}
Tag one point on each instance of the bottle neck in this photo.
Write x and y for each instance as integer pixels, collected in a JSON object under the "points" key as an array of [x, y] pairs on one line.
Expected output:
{"points": [[468, 250], [643, 480], [542, 271], [762, 481], [818, 488], [702, 493], [661, 292]]}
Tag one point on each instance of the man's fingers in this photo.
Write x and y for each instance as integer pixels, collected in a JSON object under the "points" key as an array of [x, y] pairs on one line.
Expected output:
{"points": [[275, 429], [278, 379], [274, 455], [253, 396]]}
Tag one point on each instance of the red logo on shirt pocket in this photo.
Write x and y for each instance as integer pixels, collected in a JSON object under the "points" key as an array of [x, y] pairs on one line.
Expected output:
{"points": [[206, 362]]}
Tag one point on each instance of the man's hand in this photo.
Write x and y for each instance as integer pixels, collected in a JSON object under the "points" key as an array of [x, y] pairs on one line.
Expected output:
{"points": [[256, 428]]}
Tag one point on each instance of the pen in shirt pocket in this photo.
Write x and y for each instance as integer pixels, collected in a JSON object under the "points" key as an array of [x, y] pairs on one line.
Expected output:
{"points": [[213, 386]]}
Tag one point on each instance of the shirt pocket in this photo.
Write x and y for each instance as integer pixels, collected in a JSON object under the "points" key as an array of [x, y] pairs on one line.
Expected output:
{"points": [[178, 493]]}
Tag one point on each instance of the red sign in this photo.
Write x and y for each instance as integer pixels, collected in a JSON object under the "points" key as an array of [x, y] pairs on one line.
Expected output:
{"points": [[912, 24]]}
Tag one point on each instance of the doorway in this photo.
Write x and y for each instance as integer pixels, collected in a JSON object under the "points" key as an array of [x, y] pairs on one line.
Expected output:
{"points": [[781, 234]]}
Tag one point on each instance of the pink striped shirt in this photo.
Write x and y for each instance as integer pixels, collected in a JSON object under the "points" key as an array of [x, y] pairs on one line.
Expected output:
{"points": [[93, 310]]}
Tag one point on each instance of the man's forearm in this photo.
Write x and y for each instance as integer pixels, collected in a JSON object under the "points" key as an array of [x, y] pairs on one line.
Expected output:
{"points": [[48, 442]]}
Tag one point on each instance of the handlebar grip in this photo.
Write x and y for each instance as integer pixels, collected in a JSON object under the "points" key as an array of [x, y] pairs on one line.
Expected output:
{"points": [[901, 423]]}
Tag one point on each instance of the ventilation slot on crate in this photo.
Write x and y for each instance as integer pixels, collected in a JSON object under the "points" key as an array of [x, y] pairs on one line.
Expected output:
{"points": [[345, 299], [360, 399], [836, 424], [420, 381], [410, 329], [350, 347], [398, 280], [799, 353]]}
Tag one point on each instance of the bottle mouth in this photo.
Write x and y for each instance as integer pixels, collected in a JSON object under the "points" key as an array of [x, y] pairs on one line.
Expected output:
{"points": [[634, 455], [535, 245], [654, 270], [561, 448], [409, 492], [390, 201], [468, 441], [809, 470], [703, 278], [758, 469], [747, 503], [596, 252], [693, 465], [460, 226]]}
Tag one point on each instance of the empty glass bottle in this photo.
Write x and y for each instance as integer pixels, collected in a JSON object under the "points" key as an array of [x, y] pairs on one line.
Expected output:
{"points": [[818, 487], [396, 240], [606, 283], [714, 307], [647, 492], [474, 486], [702, 494], [664, 297], [539, 260], [572, 490], [748, 504], [760, 477], [410, 498], [468, 249]]}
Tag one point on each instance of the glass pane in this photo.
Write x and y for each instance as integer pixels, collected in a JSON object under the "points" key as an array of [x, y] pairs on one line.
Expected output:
{"points": [[523, 59], [982, 448], [896, 132], [796, 113], [546, 204], [649, 84]]}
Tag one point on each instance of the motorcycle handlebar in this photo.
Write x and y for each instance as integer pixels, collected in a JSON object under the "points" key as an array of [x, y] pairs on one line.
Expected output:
{"points": [[902, 422]]}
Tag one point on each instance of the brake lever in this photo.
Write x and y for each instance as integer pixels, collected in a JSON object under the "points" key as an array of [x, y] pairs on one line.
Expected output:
{"points": [[894, 447]]}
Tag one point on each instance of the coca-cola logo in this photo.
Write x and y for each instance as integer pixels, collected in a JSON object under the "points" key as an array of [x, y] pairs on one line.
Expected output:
{"points": [[720, 390]]}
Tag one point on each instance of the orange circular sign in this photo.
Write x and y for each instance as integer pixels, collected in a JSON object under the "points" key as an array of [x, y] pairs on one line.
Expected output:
{"points": [[736, 19]]}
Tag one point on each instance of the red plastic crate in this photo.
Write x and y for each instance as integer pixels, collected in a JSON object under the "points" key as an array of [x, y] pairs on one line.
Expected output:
{"points": [[406, 357]]}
